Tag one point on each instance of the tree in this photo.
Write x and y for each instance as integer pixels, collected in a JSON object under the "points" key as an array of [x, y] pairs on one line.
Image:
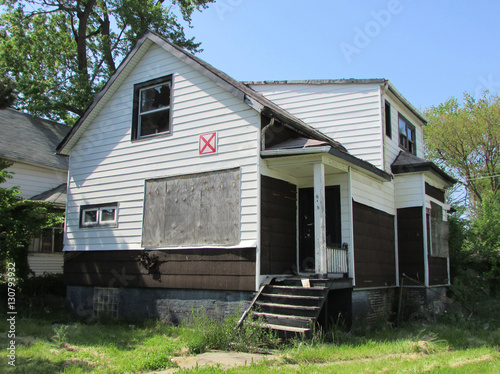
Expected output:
{"points": [[60, 53], [464, 139], [20, 220], [483, 245], [7, 92]]}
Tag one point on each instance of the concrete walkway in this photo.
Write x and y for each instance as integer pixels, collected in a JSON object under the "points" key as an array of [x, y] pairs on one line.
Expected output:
{"points": [[224, 360]]}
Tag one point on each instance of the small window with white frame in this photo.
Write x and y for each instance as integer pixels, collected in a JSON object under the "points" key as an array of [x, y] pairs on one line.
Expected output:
{"points": [[99, 215]]}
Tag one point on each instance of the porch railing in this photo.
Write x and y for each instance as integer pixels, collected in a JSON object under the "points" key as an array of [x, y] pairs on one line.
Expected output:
{"points": [[336, 261]]}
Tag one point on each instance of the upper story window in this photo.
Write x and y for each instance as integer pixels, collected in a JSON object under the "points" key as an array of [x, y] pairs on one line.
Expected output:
{"points": [[407, 135], [152, 108], [387, 112], [99, 215]]}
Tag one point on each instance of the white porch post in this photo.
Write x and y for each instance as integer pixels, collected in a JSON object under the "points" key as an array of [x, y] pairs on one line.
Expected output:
{"points": [[319, 219]]}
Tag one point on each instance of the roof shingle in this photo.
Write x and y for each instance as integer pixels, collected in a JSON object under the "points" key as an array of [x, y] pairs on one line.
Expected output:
{"points": [[32, 140]]}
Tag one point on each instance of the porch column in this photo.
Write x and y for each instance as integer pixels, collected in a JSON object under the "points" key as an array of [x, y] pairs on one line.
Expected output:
{"points": [[319, 219]]}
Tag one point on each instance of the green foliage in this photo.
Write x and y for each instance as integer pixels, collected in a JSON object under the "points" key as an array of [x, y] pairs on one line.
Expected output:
{"points": [[206, 333], [464, 140], [60, 333], [61, 53], [483, 246], [468, 345], [7, 92], [20, 219]]}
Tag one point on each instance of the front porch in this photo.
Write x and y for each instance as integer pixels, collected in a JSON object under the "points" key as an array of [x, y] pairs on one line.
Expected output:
{"points": [[306, 226]]}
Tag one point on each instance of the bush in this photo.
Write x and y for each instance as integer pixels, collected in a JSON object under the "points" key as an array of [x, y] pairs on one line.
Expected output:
{"points": [[39, 296]]}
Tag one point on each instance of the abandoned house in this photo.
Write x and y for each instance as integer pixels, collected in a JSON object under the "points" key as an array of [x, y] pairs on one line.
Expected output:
{"points": [[29, 143], [189, 189]]}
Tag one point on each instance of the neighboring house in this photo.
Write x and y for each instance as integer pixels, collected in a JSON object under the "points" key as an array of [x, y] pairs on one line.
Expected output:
{"points": [[187, 188], [29, 144]]}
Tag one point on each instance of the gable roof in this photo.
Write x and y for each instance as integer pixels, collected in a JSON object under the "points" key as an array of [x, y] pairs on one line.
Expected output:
{"points": [[31, 140], [241, 91], [409, 163], [56, 196]]}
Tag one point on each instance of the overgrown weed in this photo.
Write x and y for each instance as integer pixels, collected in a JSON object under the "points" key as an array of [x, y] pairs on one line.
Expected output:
{"points": [[204, 333]]}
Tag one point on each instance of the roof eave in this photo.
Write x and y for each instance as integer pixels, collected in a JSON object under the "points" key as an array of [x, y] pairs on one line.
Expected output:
{"points": [[361, 164], [72, 137], [423, 167], [409, 105]]}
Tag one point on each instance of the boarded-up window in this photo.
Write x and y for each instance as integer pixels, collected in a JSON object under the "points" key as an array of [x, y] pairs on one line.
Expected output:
{"points": [[439, 232], [192, 210]]}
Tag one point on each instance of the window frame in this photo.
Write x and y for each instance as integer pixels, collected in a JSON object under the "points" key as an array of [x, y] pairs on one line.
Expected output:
{"points": [[136, 123], [406, 144], [55, 233], [98, 222]]}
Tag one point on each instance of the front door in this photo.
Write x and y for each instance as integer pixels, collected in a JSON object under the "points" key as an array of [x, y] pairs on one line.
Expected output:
{"points": [[306, 225]]}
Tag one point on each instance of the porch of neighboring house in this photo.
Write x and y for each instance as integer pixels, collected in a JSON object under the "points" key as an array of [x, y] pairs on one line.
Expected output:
{"points": [[306, 240], [45, 252]]}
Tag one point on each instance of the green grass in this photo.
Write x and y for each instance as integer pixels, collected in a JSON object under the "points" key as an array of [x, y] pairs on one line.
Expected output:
{"points": [[69, 346]]}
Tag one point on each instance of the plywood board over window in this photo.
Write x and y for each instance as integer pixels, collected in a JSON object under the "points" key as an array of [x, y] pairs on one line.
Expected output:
{"points": [[439, 232], [192, 210]]}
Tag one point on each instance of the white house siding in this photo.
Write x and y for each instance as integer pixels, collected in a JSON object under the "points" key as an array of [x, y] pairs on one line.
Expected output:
{"points": [[50, 263], [373, 193], [105, 166], [349, 114], [410, 190], [391, 145], [34, 180]]}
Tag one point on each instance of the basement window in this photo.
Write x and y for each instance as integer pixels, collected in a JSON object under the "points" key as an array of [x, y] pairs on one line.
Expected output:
{"points": [[152, 108], [407, 135], [98, 215], [106, 302]]}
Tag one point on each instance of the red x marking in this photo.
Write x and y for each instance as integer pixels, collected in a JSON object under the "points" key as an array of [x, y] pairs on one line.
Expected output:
{"points": [[208, 143]]}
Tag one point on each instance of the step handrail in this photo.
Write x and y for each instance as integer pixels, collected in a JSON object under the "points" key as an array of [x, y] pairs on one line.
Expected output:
{"points": [[247, 311]]}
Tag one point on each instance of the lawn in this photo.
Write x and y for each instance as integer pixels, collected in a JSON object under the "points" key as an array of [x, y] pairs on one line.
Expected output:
{"points": [[56, 343]]}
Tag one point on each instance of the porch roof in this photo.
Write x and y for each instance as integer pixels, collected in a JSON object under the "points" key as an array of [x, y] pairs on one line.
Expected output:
{"points": [[295, 157], [409, 163]]}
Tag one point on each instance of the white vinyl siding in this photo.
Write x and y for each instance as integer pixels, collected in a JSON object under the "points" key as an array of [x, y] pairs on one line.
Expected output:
{"points": [[410, 190], [371, 192], [350, 114], [33, 180], [392, 147], [106, 166], [50, 263]]}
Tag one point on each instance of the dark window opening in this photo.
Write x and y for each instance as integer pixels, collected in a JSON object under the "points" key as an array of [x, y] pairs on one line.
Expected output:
{"points": [[48, 241], [407, 135], [388, 127], [152, 108]]}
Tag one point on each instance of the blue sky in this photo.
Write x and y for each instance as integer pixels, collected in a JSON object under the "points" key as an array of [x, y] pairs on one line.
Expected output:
{"points": [[430, 50]]}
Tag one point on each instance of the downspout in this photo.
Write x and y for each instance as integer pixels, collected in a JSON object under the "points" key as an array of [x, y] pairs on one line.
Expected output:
{"points": [[263, 134]]}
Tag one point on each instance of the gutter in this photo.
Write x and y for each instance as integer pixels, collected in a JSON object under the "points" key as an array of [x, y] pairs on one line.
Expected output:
{"points": [[389, 86]]}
